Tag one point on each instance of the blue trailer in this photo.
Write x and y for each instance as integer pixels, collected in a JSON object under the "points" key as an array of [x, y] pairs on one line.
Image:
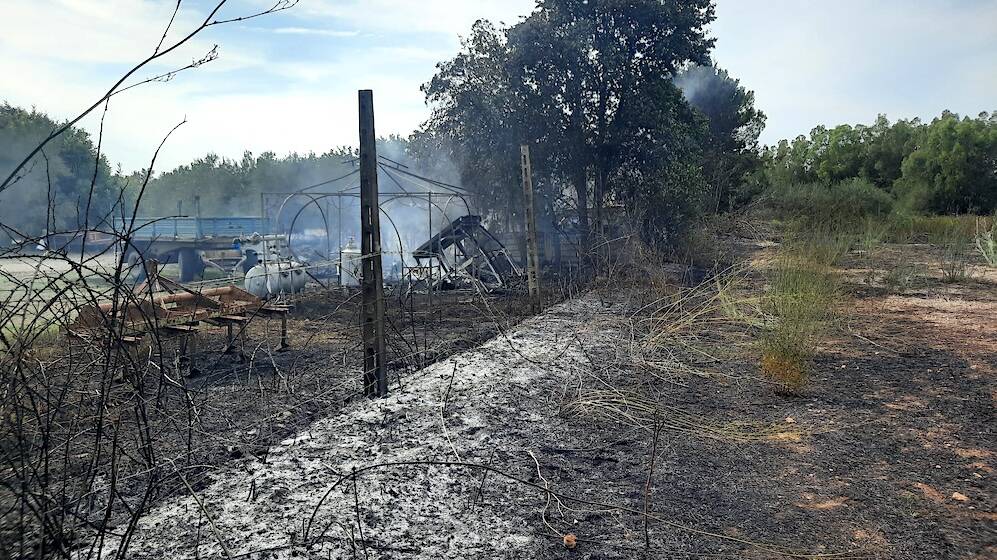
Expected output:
{"points": [[183, 239]]}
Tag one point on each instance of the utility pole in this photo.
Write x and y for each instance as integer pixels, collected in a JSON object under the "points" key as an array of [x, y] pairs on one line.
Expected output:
{"points": [[375, 377], [532, 255]]}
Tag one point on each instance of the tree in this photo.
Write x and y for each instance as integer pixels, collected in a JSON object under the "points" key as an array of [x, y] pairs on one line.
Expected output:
{"points": [[227, 187], [59, 180], [731, 150], [479, 121], [887, 148], [586, 63], [954, 168], [568, 80]]}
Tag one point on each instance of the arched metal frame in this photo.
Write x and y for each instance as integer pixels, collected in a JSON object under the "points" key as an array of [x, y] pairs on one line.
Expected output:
{"points": [[394, 171], [386, 199]]}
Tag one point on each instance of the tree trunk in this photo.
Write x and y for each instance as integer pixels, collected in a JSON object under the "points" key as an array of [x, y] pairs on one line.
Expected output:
{"points": [[581, 191], [599, 197]]}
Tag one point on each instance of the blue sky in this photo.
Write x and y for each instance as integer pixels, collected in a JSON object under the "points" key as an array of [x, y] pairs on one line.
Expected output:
{"points": [[288, 82]]}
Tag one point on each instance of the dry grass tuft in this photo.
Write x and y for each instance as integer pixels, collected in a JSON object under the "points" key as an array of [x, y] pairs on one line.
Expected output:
{"points": [[788, 371], [676, 334]]}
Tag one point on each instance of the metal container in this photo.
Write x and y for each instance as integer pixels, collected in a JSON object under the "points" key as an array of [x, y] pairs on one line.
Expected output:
{"points": [[350, 262], [268, 280]]}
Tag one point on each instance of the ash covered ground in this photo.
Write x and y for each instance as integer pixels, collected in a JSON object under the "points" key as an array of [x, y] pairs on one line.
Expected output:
{"points": [[542, 436]]}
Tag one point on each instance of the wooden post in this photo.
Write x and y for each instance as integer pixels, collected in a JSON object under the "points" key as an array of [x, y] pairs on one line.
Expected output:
{"points": [[152, 274], [532, 255], [375, 380]]}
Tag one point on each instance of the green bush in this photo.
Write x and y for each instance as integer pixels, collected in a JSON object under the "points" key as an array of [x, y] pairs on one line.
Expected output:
{"points": [[849, 202], [986, 239]]}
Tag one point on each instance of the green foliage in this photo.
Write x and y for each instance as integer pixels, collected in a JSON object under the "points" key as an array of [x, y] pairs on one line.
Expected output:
{"points": [[731, 147], [954, 168], [946, 166], [478, 122], [227, 187], [587, 86], [873, 152], [59, 178], [848, 202], [799, 306]]}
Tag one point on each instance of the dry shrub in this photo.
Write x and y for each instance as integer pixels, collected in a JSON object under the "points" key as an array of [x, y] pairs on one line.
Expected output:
{"points": [[955, 254], [625, 267], [689, 330], [902, 277]]}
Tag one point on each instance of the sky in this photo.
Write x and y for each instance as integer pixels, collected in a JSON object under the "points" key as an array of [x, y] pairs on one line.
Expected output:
{"points": [[288, 82]]}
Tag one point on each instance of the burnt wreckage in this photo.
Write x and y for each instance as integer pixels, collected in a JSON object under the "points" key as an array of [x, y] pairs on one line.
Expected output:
{"points": [[463, 253]]}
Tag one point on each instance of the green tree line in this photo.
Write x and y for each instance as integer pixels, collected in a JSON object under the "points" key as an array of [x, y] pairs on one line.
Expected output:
{"points": [[66, 187], [227, 187], [948, 165]]}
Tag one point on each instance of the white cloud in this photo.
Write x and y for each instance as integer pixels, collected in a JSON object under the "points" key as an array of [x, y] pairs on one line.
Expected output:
{"points": [[449, 17]]}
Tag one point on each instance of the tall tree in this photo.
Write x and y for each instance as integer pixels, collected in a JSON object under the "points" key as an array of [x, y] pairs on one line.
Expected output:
{"points": [[479, 120], [568, 79], [584, 63], [731, 150]]}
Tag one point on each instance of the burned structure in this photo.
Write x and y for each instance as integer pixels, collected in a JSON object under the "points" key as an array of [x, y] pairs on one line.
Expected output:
{"points": [[462, 253]]}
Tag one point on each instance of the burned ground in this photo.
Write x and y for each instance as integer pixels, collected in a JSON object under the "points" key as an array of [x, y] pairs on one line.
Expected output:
{"points": [[887, 454], [222, 408]]}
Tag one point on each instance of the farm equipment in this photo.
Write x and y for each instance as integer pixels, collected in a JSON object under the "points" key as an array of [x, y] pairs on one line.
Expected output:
{"points": [[184, 240]]}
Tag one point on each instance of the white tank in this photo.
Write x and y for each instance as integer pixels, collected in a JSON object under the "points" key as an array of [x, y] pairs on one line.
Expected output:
{"points": [[350, 262], [267, 280]]}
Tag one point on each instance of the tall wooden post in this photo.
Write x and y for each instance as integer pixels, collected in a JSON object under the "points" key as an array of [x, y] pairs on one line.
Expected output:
{"points": [[532, 255], [375, 379]]}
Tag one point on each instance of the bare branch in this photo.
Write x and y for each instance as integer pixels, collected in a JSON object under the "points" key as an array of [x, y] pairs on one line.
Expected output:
{"points": [[168, 26]]}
